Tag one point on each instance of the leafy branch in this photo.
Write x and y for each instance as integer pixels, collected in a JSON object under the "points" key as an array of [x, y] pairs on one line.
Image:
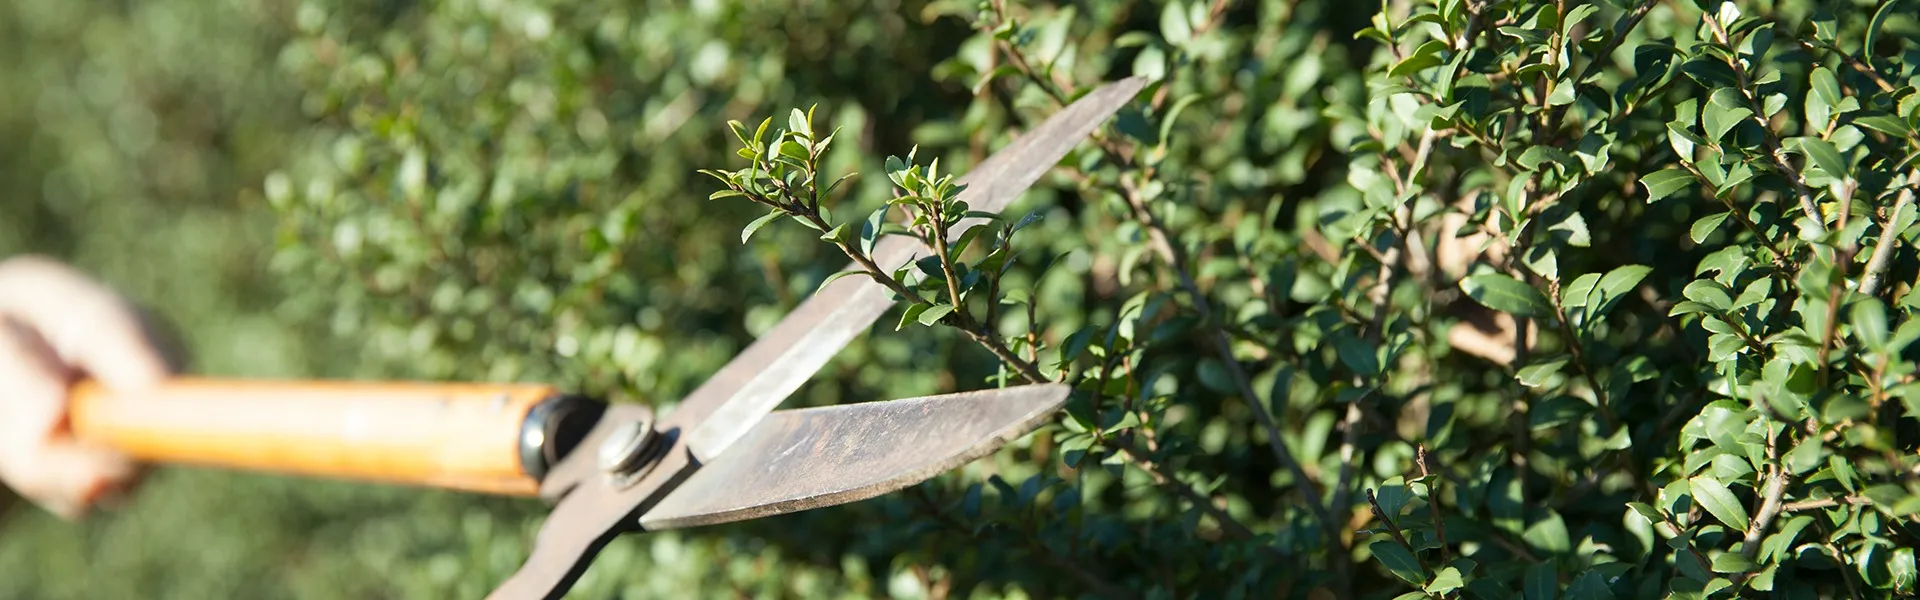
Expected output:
{"points": [[944, 287], [783, 175], [1132, 185]]}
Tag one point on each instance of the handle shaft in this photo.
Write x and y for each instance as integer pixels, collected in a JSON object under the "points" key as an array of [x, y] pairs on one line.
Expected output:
{"points": [[462, 436]]}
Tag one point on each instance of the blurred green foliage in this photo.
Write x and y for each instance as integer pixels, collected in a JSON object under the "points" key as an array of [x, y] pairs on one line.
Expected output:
{"points": [[1648, 344]]}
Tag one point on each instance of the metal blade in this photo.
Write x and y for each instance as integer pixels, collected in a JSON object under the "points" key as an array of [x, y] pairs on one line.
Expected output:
{"points": [[803, 459], [590, 510], [736, 398]]}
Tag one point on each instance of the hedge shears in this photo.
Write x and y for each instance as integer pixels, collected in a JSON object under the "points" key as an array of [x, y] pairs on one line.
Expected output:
{"points": [[722, 454]]}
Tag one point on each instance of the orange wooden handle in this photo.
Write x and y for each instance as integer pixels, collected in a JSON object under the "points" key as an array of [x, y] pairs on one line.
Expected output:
{"points": [[462, 436]]}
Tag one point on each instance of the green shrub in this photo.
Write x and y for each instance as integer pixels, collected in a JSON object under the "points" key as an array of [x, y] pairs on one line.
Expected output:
{"points": [[1494, 300]]}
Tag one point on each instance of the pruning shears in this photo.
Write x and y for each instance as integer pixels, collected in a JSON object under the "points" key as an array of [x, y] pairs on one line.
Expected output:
{"points": [[722, 454]]}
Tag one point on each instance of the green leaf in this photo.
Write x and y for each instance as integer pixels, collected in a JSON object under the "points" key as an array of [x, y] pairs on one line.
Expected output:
{"points": [[1648, 512], [1733, 562], [1357, 355], [1175, 25], [1215, 376], [873, 228], [1392, 496], [936, 314], [1506, 294], [1826, 87], [1776, 546], [1448, 580], [1718, 501], [842, 233], [1578, 14], [1556, 411], [1709, 71], [1884, 123], [797, 122], [1000, 72], [758, 223], [1818, 112], [1549, 535], [793, 150], [1574, 295], [1074, 346], [1542, 582], [1398, 560], [739, 132], [1773, 104], [1617, 283], [1562, 93], [1879, 21], [760, 133], [1591, 585], [1808, 455], [1573, 230], [1901, 569], [970, 502], [1688, 307], [1736, 175], [1665, 182], [913, 313], [1755, 293], [1536, 374], [1710, 293], [930, 266], [1132, 122], [1870, 324], [1725, 109], [1424, 57], [1684, 140], [1173, 115], [1706, 226], [1825, 156], [837, 275]]}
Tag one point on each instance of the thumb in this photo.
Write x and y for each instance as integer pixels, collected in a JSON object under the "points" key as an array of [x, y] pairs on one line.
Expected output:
{"points": [[54, 471]]}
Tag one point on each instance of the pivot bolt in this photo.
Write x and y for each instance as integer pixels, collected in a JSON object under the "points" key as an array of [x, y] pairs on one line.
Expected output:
{"points": [[626, 449]]}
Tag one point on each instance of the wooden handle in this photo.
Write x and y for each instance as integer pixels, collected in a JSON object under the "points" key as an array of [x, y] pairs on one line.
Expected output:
{"points": [[463, 436]]}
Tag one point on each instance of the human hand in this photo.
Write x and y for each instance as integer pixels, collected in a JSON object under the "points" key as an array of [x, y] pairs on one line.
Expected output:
{"points": [[56, 326]]}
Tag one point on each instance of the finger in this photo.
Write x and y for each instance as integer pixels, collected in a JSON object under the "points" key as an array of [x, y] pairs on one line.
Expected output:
{"points": [[87, 324], [54, 471]]}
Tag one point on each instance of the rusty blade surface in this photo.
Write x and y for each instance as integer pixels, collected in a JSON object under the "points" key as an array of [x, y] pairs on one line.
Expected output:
{"points": [[803, 459]]}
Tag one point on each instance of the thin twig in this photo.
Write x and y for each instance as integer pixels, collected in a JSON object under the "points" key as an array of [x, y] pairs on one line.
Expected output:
{"points": [[1157, 233], [1379, 295], [1620, 31], [1769, 503], [1846, 573], [1232, 527], [1433, 503], [1870, 72], [1177, 259], [1349, 438], [1875, 275], [1826, 503], [1394, 530], [1771, 139]]}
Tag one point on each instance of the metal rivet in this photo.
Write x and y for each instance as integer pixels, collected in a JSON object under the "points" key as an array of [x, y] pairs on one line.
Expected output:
{"points": [[625, 448]]}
